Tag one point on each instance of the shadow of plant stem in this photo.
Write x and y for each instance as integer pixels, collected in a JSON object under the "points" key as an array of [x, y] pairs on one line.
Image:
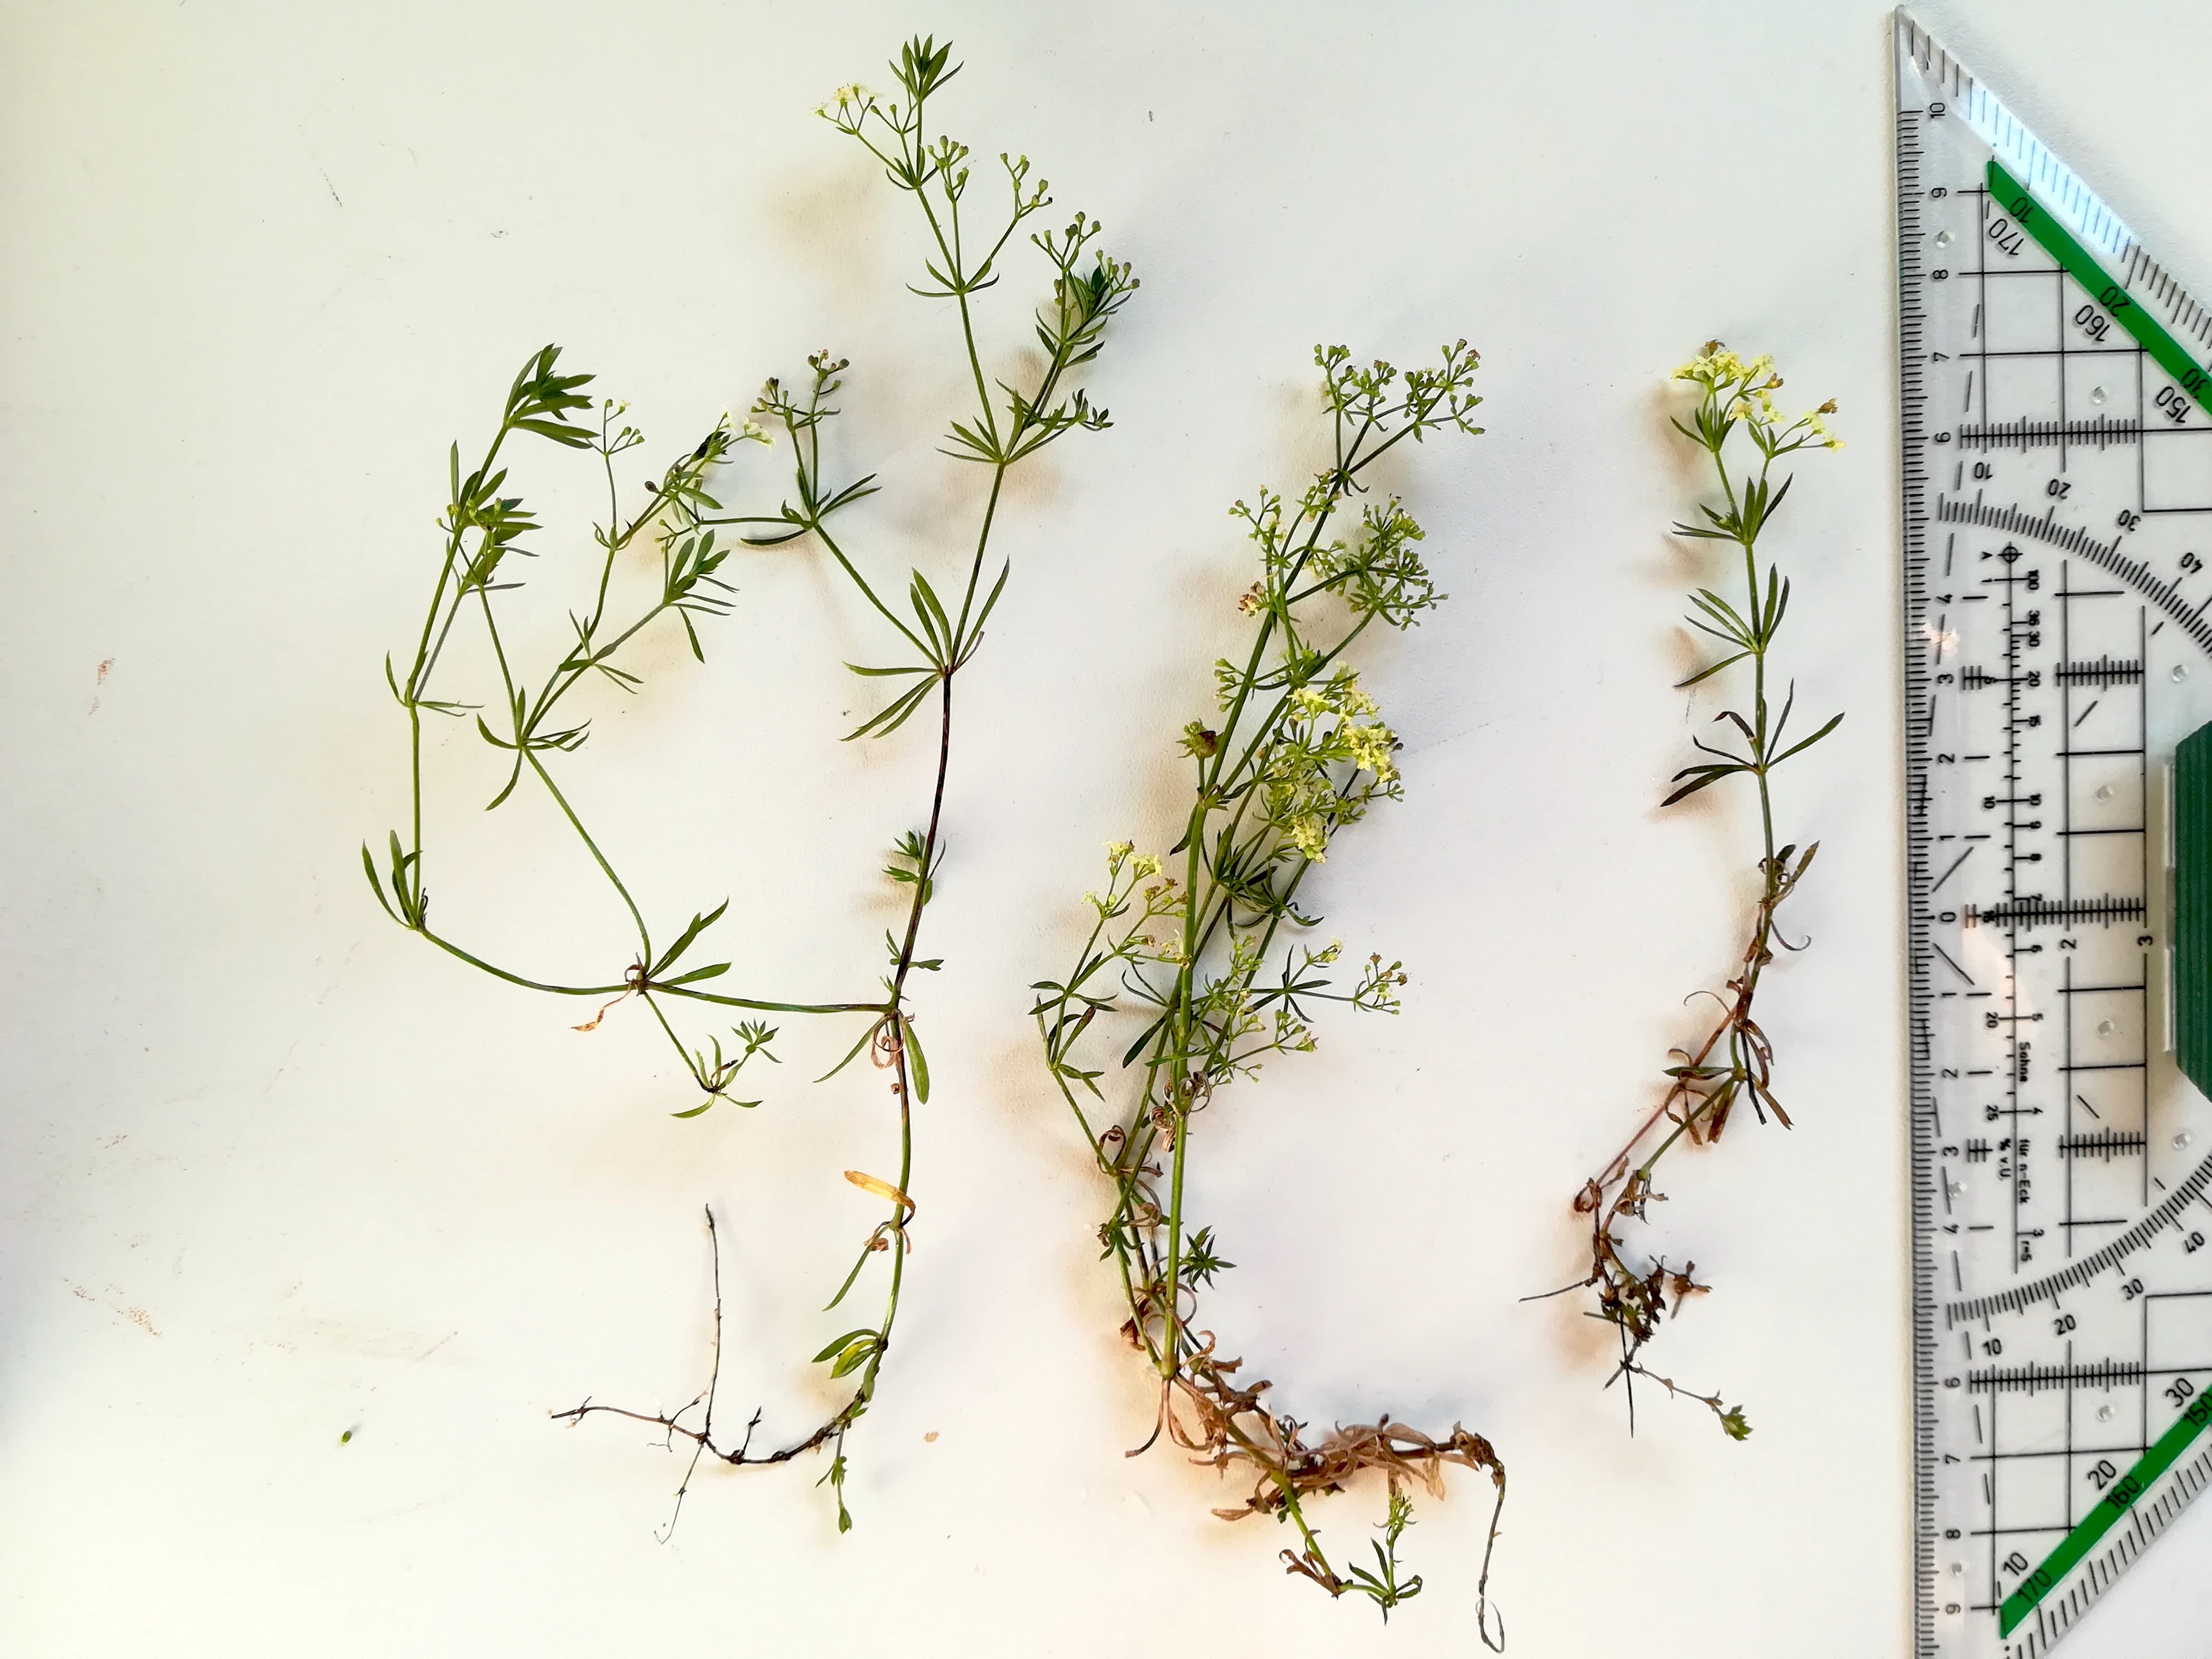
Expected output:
{"points": [[1294, 753], [483, 526], [1735, 1061]]}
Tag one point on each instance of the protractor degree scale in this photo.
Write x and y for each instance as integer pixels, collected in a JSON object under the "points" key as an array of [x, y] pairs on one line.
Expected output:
{"points": [[2057, 404]]}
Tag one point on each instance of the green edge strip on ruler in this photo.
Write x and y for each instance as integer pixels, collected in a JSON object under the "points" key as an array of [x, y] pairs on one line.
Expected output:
{"points": [[2109, 1508], [2191, 856], [2058, 242]]}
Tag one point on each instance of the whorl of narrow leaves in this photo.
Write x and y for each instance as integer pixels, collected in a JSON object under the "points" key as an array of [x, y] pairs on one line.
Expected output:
{"points": [[1196, 956], [1734, 1062], [531, 723]]}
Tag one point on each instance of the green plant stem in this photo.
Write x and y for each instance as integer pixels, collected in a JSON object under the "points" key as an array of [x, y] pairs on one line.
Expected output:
{"points": [[1215, 907], [902, 1087], [1758, 952], [1632, 1295], [637, 915], [683, 517], [1297, 757]]}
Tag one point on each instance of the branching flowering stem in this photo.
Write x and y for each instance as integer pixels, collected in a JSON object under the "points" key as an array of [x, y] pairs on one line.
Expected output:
{"points": [[483, 526], [1735, 1061], [1299, 753]]}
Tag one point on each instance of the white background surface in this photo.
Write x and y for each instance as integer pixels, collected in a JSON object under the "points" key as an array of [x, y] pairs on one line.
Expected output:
{"points": [[271, 1170]]}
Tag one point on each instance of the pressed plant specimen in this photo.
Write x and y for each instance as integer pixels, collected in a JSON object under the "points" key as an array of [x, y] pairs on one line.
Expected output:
{"points": [[1205, 955], [1734, 1062], [684, 528]]}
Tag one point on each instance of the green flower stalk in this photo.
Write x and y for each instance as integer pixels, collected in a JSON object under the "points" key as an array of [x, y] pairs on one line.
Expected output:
{"points": [[681, 522], [1734, 1063], [1205, 952]]}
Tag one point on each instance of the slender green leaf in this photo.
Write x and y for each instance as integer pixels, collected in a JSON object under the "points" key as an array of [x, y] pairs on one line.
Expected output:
{"points": [[990, 599], [699, 925], [893, 717], [714, 970], [866, 1251], [1704, 777], [920, 1060], [1805, 744], [838, 1345], [853, 1053], [931, 611], [1707, 673], [369, 867]]}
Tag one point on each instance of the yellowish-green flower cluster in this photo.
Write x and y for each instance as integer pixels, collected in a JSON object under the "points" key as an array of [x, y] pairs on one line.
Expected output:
{"points": [[1717, 367], [1370, 748], [850, 101], [1737, 389], [1121, 856], [1325, 725], [748, 430], [1309, 833], [1138, 895], [1758, 401]]}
